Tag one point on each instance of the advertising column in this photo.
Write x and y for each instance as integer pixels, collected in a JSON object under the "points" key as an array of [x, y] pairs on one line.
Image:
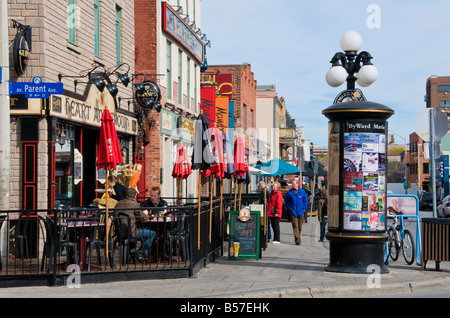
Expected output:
{"points": [[357, 185]]}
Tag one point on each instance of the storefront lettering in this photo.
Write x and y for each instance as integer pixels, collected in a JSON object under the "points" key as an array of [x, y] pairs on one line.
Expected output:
{"points": [[77, 109]]}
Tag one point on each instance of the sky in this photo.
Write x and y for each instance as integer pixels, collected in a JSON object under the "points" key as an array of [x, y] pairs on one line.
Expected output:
{"points": [[290, 43]]}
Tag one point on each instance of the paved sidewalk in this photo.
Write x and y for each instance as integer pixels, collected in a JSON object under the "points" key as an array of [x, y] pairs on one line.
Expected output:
{"points": [[286, 270]]}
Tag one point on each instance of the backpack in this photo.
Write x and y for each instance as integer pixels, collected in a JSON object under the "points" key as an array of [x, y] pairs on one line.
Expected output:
{"points": [[325, 207]]}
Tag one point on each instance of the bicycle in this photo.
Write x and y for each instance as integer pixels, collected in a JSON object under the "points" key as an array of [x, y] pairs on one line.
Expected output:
{"points": [[400, 239]]}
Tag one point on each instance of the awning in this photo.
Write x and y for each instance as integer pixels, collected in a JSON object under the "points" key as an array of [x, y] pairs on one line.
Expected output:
{"points": [[277, 167]]}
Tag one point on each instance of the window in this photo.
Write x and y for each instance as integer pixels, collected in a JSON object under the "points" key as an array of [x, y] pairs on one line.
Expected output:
{"points": [[71, 22], [443, 88], [444, 103], [195, 89], [118, 27], [97, 28], [180, 77], [188, 83], [169, 69]]}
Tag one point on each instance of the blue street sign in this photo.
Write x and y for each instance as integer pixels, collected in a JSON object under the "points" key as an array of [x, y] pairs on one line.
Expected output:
{"points": [[36, 88]]}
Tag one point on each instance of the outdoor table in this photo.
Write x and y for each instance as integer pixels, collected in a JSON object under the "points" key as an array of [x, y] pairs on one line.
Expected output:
{"points": [[81, 224]]}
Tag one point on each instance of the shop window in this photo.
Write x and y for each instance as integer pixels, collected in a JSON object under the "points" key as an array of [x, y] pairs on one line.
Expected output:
{"points": [[64, 169]]}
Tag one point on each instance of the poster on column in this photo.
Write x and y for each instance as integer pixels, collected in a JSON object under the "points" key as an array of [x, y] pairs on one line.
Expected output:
{"points": [[364, 176]]}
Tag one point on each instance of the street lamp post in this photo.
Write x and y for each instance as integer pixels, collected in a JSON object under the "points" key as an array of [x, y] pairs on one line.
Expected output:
{"points": [[357, 148]]}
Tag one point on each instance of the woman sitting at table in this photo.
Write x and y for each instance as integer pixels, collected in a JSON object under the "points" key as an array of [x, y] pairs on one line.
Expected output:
{"points": [[119, 189], [138, 219]]}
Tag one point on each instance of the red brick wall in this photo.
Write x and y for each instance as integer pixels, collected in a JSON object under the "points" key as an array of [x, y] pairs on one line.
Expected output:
{"points": [[146, 62]]}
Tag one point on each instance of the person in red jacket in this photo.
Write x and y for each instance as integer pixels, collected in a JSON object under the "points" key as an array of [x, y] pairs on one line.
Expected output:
{"points": [[274, 211]]}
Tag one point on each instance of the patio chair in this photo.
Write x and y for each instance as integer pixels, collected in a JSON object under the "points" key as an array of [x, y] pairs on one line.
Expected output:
{"points": [[97, 239], [176, 231], [126, 242], [55, 240], [20, 234]]}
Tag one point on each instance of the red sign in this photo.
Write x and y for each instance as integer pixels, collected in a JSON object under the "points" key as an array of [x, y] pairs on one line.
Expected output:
{"points": [[208, 104]]}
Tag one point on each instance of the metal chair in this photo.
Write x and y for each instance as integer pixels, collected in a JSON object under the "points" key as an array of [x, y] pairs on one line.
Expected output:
{"points": [[176, 231], [97, 239], [56, 240]]}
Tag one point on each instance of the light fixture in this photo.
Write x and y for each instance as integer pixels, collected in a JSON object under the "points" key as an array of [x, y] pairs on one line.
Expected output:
{"points": [[351, 66], [99, 82], [112, 89], [60, 135]]}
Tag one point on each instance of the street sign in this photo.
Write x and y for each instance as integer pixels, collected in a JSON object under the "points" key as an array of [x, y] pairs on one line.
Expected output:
{"points": [[422, 125], [36, 88]]}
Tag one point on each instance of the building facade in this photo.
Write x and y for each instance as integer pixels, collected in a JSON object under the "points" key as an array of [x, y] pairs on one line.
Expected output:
{"points": [[54, 139], [169, 51]]}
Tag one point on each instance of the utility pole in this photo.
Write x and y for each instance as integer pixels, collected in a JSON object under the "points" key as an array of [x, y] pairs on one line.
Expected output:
{"points": [[4, 120]]}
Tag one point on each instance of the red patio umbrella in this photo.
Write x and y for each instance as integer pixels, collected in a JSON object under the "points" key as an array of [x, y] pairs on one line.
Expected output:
{"points": [[109, 154], [240, 162], [182, 168]]}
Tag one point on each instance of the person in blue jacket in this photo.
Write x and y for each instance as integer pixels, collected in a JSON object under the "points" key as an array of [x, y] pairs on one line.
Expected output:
{"points": [[296, 201]]}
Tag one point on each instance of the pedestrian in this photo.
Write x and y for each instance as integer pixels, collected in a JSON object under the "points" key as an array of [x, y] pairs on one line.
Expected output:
{"points": [[138, 219], [322, 214], [275, 208], [264, 193], [296, 201], [308, 193]]}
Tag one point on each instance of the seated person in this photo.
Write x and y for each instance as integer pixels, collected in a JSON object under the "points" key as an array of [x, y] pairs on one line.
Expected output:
{"points": [[138, 219], [120, 190], [155, 200]]}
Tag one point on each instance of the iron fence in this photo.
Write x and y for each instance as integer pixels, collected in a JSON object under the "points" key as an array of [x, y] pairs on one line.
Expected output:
{"points": [[69, 246]]}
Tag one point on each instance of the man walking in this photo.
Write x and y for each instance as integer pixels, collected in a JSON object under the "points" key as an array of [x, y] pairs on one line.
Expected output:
{"points": [[296, 201]]}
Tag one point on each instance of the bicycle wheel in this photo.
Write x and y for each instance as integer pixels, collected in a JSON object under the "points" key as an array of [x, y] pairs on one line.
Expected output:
{"points": [[393, 243], [408, 248]]}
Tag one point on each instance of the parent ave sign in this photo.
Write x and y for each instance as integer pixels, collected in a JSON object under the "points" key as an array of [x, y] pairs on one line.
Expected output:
{"points": [[36, 88]]}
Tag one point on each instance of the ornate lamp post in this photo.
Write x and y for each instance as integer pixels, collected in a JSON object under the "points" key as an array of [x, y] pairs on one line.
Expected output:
{"points": [[357, 165]]}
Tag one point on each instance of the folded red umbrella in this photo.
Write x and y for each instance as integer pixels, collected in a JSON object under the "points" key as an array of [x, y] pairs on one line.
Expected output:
{"points": [[182, 167], [240, 159], [109, 154], [218, 166]]}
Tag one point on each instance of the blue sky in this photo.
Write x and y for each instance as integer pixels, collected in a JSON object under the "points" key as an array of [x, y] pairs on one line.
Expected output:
{"points": [[290, 43]]}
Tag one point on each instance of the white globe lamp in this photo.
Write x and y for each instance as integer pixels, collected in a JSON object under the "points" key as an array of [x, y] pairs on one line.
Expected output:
{"points": [[351, 41], [336, 75], [367, 75]]}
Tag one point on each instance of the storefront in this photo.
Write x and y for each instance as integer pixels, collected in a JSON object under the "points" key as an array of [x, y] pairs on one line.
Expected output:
{"points": [[176, 129], [57, 143]]}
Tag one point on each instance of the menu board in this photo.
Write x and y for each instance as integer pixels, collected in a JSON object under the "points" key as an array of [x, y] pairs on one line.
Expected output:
{"points": [[244, 237], [364, 176]]}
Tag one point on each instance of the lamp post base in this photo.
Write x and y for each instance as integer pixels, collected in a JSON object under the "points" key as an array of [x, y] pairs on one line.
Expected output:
{"points": [[355, 252]]}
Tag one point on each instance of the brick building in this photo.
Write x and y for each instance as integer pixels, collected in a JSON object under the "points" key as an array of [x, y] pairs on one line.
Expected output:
{"points": [[54, 139], [169, 51]]}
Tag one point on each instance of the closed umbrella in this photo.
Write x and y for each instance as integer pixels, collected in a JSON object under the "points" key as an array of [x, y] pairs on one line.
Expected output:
{"points": [[202, 157], [240, 163], [109, 155], [182, 168]]}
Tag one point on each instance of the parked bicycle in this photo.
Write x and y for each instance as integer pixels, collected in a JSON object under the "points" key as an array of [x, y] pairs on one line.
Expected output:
{"points": [[400, 239]]}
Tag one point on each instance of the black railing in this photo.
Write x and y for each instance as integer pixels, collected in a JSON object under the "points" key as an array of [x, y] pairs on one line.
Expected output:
{"points": [[68, 246]]}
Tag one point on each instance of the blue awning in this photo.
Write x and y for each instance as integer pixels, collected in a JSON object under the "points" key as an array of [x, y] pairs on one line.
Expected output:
{"points": [[277, 167]]}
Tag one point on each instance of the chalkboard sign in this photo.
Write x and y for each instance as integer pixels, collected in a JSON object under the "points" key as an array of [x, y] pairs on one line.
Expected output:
{"points": [[244, 238]]}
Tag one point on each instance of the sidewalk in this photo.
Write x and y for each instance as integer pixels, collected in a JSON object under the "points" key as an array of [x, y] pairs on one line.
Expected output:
{"points": [[286, 270]]}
